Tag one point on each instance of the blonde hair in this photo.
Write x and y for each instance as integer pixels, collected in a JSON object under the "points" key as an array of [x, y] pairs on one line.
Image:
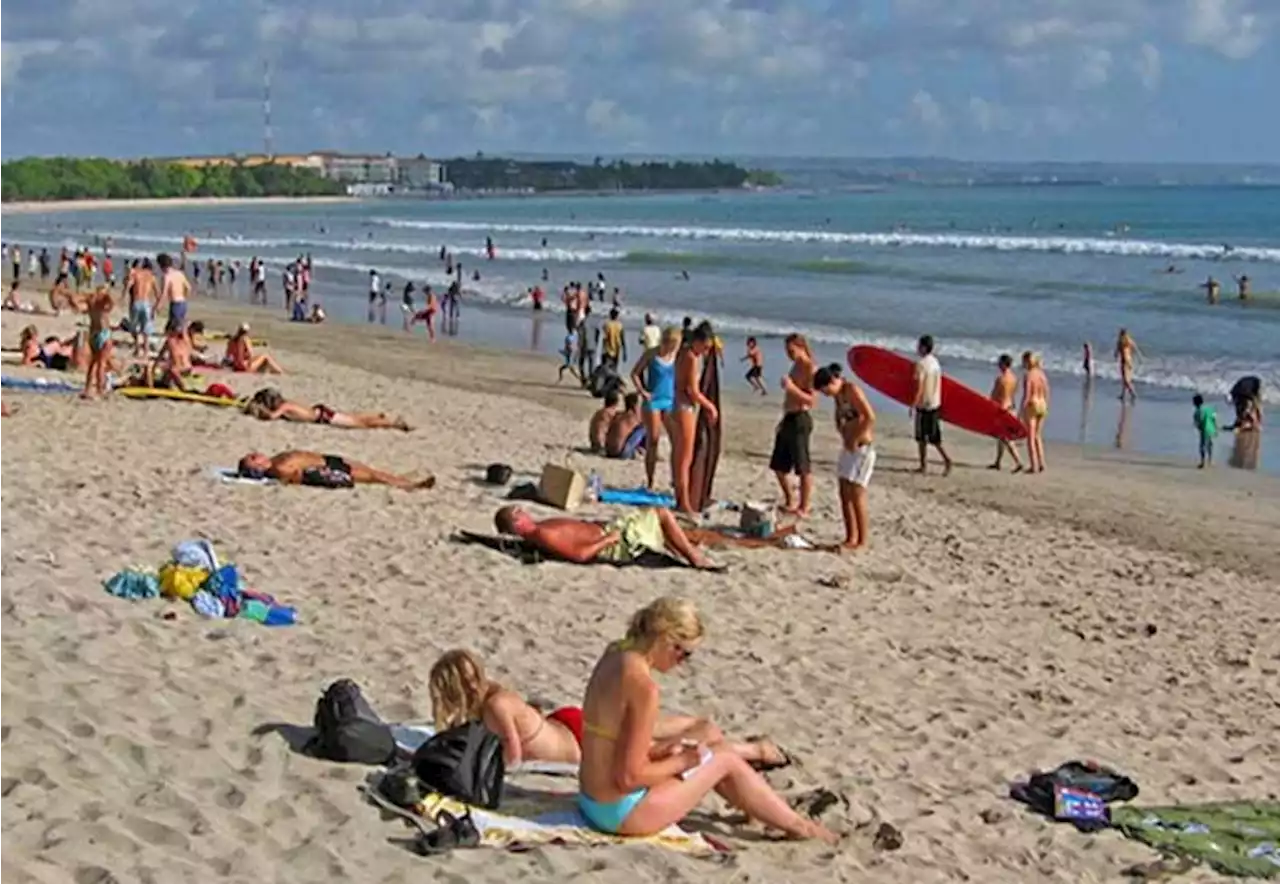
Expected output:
{"points": [[1031, 358], [667, 617], [798, 340], [28, 334], [459, 689], [672, 335]]}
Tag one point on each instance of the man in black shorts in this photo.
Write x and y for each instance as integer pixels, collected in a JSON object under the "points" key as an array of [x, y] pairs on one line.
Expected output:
{"points": [[791, 442], [927, 404]]}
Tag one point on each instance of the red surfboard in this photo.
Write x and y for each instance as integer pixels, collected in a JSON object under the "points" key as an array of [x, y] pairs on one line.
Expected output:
{"points": [[966, 408]]}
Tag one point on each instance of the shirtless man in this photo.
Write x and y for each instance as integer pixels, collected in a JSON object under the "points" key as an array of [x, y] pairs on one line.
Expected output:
{"points": [[791, 441], [100, 306], [61, 296], [1126, 352], [1211, 290], [1003, 392], [175, 289], [855, 422], [626, 422], [581, 541], [598, 428], [141, 288], [172, 364], [289, 467]]}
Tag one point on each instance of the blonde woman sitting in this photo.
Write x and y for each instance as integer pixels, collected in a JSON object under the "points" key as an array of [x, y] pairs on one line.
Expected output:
{"points": [[461, 692], [633, 784]]}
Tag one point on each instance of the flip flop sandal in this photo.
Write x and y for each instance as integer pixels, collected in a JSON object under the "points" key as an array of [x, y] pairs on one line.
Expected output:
{"points": [[452, 832], [765, 766]]}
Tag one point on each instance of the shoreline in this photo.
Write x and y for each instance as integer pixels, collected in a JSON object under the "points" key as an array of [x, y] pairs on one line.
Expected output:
{"points": [[25, 207], [1220, 517]]}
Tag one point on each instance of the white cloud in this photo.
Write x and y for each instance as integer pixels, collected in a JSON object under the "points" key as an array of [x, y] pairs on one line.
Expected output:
{"points": [[1149, 67], [927, 111], [1233, 28], [987, 116], [1094, 68]]}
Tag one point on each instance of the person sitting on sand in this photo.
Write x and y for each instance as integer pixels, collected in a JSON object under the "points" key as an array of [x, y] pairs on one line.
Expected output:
{"points": [[61, 296], [173, 364], [269, 405], [626, 432], [598, 427], [13, 302], [240, 357], [623, 540], [461, 693], [292, 468], [629, 784]]}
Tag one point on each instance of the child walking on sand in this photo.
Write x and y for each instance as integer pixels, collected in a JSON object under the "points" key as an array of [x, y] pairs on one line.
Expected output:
{"points": [[569, 351], [756, 372], [100, 305], [1205, 419]]}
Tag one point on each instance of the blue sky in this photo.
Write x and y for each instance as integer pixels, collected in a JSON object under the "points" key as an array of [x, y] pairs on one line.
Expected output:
{"points": [[1122, 80]]}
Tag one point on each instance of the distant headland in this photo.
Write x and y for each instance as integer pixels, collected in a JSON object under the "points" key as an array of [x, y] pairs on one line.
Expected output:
{"points": [[327, 173]]}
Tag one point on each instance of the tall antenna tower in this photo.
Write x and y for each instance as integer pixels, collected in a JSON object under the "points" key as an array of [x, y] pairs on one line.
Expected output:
{"points": [[267, 146]]}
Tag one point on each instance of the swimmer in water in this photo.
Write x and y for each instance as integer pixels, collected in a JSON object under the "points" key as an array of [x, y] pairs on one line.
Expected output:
{"points": [[1211, 290]]}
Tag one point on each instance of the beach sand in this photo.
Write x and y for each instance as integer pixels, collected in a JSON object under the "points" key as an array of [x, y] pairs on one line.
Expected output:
{"points": [[1120, 611]]}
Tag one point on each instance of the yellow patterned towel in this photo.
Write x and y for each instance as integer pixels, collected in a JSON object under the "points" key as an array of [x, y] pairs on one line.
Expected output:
{"points": [[536, 819]]}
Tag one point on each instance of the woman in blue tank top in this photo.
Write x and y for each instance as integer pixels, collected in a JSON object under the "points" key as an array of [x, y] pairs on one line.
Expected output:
{"points": [[654, 376]]}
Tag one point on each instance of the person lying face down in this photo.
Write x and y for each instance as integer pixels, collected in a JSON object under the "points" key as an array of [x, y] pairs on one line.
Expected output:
{"points": [[308, 467], [269, 405], [620, 541]]}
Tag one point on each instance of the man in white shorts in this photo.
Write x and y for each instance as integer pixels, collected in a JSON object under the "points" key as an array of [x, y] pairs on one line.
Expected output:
{"points": [[855, 421]]}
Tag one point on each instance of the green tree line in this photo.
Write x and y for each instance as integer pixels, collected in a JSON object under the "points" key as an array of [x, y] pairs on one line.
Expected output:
{"points": [[495, 173], [65, 178]]}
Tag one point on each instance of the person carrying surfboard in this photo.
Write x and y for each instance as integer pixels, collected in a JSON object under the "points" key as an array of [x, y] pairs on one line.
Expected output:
{"points": [[927, 405]]}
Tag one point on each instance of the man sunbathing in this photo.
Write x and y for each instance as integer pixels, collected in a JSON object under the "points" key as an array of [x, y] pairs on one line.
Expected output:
{"points": [[310, 468], [623, 540]]}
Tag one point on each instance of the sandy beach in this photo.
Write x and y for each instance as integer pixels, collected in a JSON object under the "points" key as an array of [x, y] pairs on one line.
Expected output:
{"points": [[1121, 610]]}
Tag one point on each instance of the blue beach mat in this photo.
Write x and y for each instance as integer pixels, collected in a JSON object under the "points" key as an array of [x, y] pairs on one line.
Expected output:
{"points": [[40, 385], [636, 497]]}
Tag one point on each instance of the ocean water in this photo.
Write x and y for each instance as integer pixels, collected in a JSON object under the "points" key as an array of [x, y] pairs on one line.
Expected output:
{"points": [[985, 270]]}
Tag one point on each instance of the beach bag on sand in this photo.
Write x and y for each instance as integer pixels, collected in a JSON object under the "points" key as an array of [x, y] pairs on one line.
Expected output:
{"points": [[347, 728], [465, 763], [1077, 792]]}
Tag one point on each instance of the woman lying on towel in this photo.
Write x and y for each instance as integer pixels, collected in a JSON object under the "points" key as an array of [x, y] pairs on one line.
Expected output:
{"points": [[269, 405], [630, 783], [328, 470], [622, 540], [54, 353], [461, 692]]}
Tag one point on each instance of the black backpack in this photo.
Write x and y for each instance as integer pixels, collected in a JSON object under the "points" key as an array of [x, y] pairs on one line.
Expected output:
{"points": [[464, 762], [347, 728]]}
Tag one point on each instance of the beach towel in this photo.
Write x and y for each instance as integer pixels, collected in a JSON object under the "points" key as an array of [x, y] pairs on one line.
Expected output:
{"points": [[231, 476], [40, 385], [140, 393], [535, 819], [1239, 838], [706, 440], [409, 737], [528, 554], [636, 497]]}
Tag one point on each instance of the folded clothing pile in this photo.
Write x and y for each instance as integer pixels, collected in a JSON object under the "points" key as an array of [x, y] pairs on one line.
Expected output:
{"points": [[214, 591]]}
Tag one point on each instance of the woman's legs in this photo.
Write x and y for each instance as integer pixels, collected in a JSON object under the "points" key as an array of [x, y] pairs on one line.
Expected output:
{"points": [[265, 363], [1040, 443], [680, 728], [728, 774], [652, 435], [367, 421], [685, 424]]}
